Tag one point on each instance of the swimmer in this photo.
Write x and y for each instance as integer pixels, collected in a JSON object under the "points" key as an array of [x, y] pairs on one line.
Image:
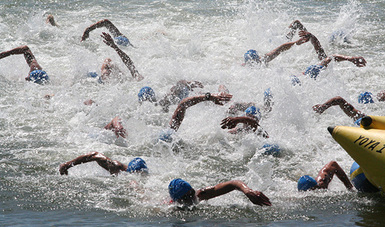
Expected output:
{"points": [[347, 108], [324, 177], [120, 39], [36, 73], [177, 93], [179, 114], [181, 192], [116, 126], [137, 165], [251, 56], [50, 20], [106, 69]]}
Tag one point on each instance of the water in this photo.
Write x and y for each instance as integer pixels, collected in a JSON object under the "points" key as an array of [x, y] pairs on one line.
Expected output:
{"points": [[193, 40]]}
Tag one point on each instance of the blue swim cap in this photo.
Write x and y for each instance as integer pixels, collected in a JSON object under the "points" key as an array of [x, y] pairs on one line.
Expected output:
{"points": [[137, 165], [313, 71], [38, 76], [178, 188], [166, 135], [359, 180], [92, 74], [146, 93], [306, 182], [365, 97], [251, 55], [295, 80], [182, 91], [271, 149], [254, 111], [122, 40]]}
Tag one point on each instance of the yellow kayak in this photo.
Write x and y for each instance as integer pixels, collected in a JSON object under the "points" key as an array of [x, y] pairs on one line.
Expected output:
{"points": [[366, 145]]}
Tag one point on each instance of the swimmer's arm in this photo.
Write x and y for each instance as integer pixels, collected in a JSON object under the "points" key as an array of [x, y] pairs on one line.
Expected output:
{"points": [[116, 126], [315, 42], [284, 47], [103, 23], [94, 156], [180, 111], [231, 122], [255, 197], [125, 58], [345, 106], [358, 61]]}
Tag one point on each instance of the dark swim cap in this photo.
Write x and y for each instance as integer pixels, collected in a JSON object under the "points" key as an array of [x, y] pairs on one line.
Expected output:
{"points": [[137, 165], [313, 71], [178, 188], [146, 93], [38, 76], [251, 55], [365, 97], [306, 182]]}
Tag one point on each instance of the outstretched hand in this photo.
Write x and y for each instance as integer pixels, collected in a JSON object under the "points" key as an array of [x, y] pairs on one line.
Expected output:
{"points": [[86, 34], [258, 198], [108, 39], [221, 98], [305, 37], [319, 108], [359, 61], [63, 169], [229, 122]]}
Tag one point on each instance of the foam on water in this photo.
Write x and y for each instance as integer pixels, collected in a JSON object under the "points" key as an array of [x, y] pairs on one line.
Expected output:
{"points": [[203, 41]]}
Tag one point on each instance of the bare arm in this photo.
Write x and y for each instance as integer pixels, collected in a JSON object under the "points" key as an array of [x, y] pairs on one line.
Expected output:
{"points": [[358, 61], [255, 197], [125, 58], [316, 44], [29, 57], [180, 111], [111, 166], [326, 174], [116, 126], [284, 47], [103, 23], [231, 122], [348, 108]]}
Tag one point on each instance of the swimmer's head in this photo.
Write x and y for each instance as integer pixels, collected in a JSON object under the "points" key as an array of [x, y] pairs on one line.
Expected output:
{"points": [[295, 80], [122, 40], [166, 135], [271, 149], [365, 97], [254, 112], [313, 71], [182, 91], [137, 165], [251, 56], [38, 76], [178, 189], [306, 182], [146, 94]]}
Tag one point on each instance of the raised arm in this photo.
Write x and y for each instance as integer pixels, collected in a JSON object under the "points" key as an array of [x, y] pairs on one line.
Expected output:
{"points": [[29, 57], [111, 166], [284, 47], [316, 44], [125, 58], [180, 111], [358, 61], [348, 108], [116, 126], [255, 197], [103, 23], [326, 174]]}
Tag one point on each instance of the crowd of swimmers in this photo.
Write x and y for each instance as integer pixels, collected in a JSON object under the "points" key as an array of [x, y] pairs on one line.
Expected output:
{"points": [[180, 190]]}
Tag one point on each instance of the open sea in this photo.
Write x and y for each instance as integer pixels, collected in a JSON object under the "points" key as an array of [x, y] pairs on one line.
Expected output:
{"points": [[202, 40]]}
